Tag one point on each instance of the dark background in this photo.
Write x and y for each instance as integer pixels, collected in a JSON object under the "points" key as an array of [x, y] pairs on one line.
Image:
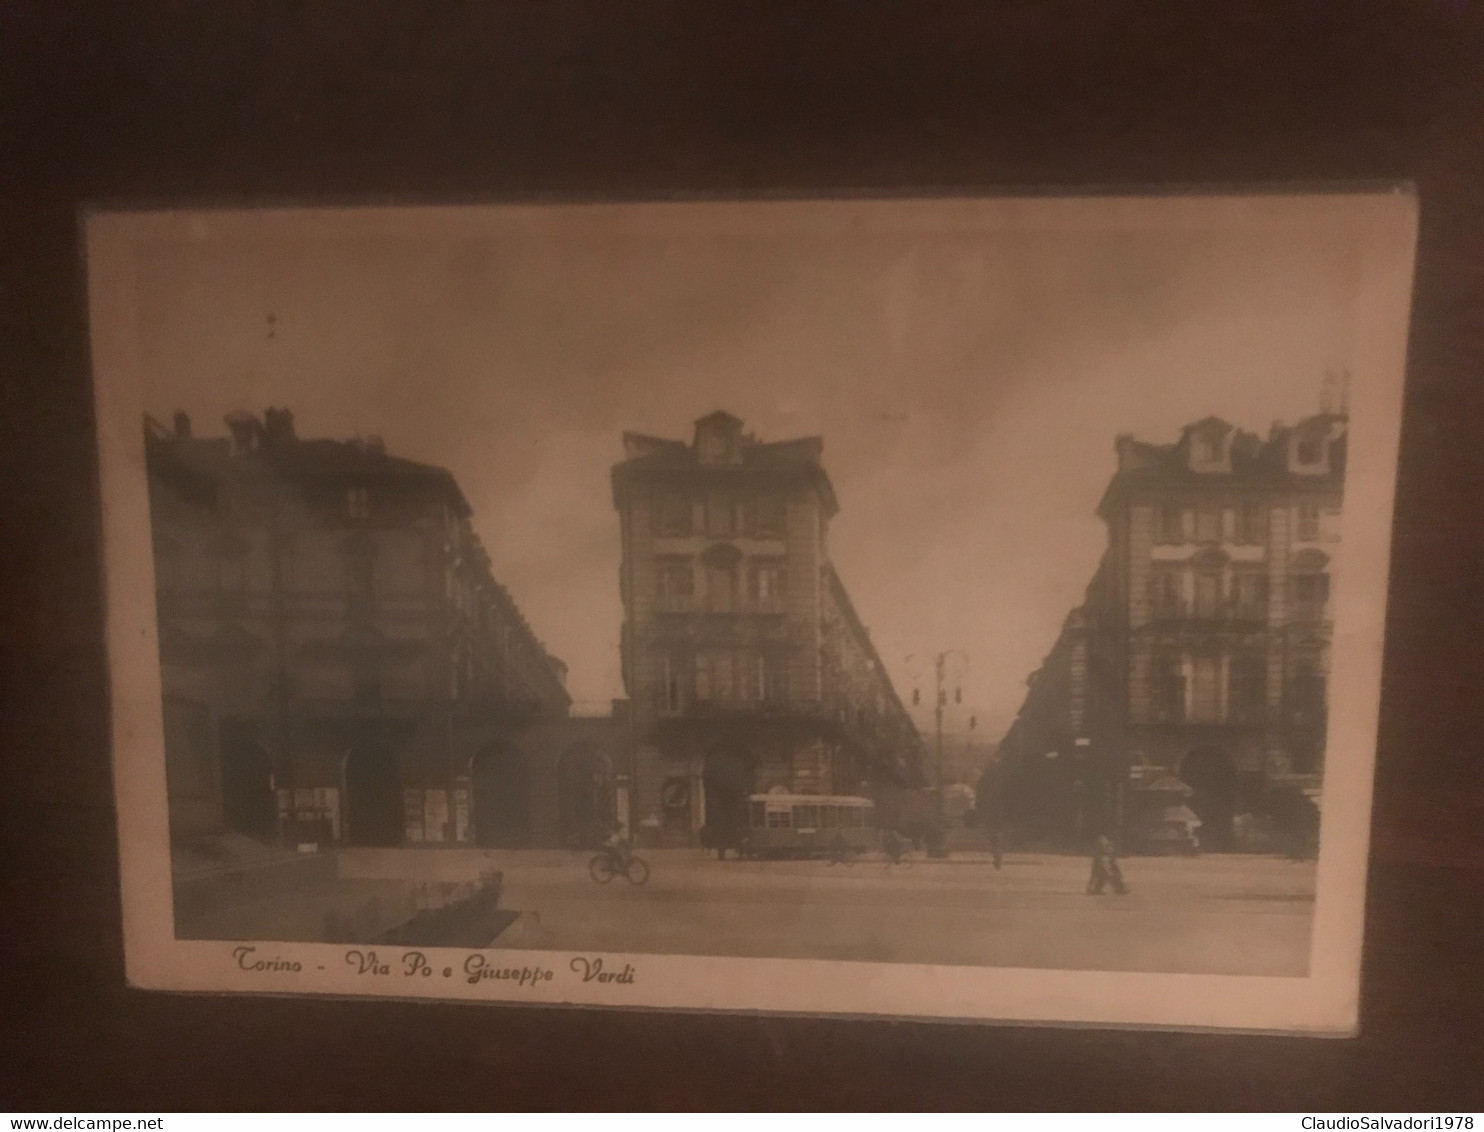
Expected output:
{"points": [[372, 100]]}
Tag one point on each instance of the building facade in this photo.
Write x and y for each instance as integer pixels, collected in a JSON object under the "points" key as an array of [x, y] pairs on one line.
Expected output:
{"points": [[339, 665], [1193, 675], [747, 667]]}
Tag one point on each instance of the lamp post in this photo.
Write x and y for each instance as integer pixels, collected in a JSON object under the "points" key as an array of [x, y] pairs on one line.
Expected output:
{"points": [[949, 667]]}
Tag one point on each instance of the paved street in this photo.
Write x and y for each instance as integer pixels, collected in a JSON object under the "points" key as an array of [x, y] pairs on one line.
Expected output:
{"points": [[1208, 915]]}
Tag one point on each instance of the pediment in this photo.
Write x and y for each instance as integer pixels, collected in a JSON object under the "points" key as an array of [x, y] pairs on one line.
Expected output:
{"points": [[1309, 561], [1211, 558]]}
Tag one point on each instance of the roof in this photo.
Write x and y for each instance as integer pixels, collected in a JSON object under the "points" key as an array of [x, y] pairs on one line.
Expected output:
{"points": [[1255, 462], [720, 417], [647, 455], [203, 460]]}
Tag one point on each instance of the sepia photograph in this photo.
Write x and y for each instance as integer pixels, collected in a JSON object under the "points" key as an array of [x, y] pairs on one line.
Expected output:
{"points": [[962, 608]]}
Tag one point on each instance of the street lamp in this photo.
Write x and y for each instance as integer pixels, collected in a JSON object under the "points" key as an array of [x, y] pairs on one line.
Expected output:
{"points": [[949, 667]]}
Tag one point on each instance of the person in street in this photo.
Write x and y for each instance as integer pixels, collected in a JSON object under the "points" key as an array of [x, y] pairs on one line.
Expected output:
{"points": [[997, 846], [617, 846], [1105, 870]]}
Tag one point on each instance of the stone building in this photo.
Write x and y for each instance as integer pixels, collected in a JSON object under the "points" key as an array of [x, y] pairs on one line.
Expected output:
{"points": [[339, 666], [747, 667], [1193, 675]]}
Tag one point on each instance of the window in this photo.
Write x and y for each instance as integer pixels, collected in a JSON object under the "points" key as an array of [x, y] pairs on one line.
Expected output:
{"points": [[829, 817], [721, 587], [767, 586], [1207, 448], [723, 673], [1310, 594], [739, 514], [1169, 690], [779, 819], [1251, 597], [1205, 690], [675, 578], [713, 447], [1208, 525], [757, 678], [1308, 520], [770, 516], [1306, 692], [719, 517], [1310, 450], [1171, 524], [1165, 594], [1246, 688], [1252, 524], [674, 515], [772, 677], [806, 817], [716, 676], [1208, 594], [357, 503]]}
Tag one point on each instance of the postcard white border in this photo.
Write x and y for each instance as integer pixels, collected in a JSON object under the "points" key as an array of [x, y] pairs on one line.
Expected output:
{"points": [[1325, 1002]]}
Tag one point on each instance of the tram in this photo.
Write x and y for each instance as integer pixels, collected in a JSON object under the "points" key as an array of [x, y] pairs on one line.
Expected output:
{"points": [[808, 825]]}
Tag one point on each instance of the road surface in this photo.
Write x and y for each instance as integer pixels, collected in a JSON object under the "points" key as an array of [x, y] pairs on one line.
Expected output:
{"points": [[1208, 915]]}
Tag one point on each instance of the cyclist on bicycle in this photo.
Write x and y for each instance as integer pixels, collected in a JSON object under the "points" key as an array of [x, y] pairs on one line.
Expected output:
{"points": [[617, 846]]}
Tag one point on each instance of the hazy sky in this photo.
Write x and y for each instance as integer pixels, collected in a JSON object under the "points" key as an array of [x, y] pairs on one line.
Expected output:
{"points": [[968, 365]]}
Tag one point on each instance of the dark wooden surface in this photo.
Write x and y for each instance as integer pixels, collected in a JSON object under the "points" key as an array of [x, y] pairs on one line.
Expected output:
{"points": [[356, 99]]}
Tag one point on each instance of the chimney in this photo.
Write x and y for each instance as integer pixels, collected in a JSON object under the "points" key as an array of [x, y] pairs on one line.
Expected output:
{"points": [[246, 430], [278, 426], [1124, 446], [182, 425]]}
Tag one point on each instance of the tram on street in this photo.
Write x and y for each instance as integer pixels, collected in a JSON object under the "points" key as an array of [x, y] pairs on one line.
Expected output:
{"points": [[809, 825]]}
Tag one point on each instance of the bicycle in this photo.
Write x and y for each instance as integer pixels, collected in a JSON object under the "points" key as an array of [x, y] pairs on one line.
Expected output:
{"points": [[608, 864]]}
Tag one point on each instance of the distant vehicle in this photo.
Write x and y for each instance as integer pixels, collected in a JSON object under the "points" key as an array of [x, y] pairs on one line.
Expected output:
{"points": [[809, 825]]}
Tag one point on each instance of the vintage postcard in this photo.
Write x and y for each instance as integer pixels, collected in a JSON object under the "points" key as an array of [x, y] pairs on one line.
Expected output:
{"points": [[961, 608]]}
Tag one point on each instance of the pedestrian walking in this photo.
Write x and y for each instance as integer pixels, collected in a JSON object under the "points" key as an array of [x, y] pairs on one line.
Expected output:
{"points": [[1105, 870]]}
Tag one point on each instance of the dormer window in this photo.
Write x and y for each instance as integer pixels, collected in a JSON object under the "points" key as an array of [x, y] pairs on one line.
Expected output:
{"points": [[718, 439], [1208, 446], [713, 448], [1309, 446]]}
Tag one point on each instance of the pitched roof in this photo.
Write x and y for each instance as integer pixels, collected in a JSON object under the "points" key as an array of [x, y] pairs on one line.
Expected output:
{"points": [[720, 417], [1255, 462], [342, 461]]}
